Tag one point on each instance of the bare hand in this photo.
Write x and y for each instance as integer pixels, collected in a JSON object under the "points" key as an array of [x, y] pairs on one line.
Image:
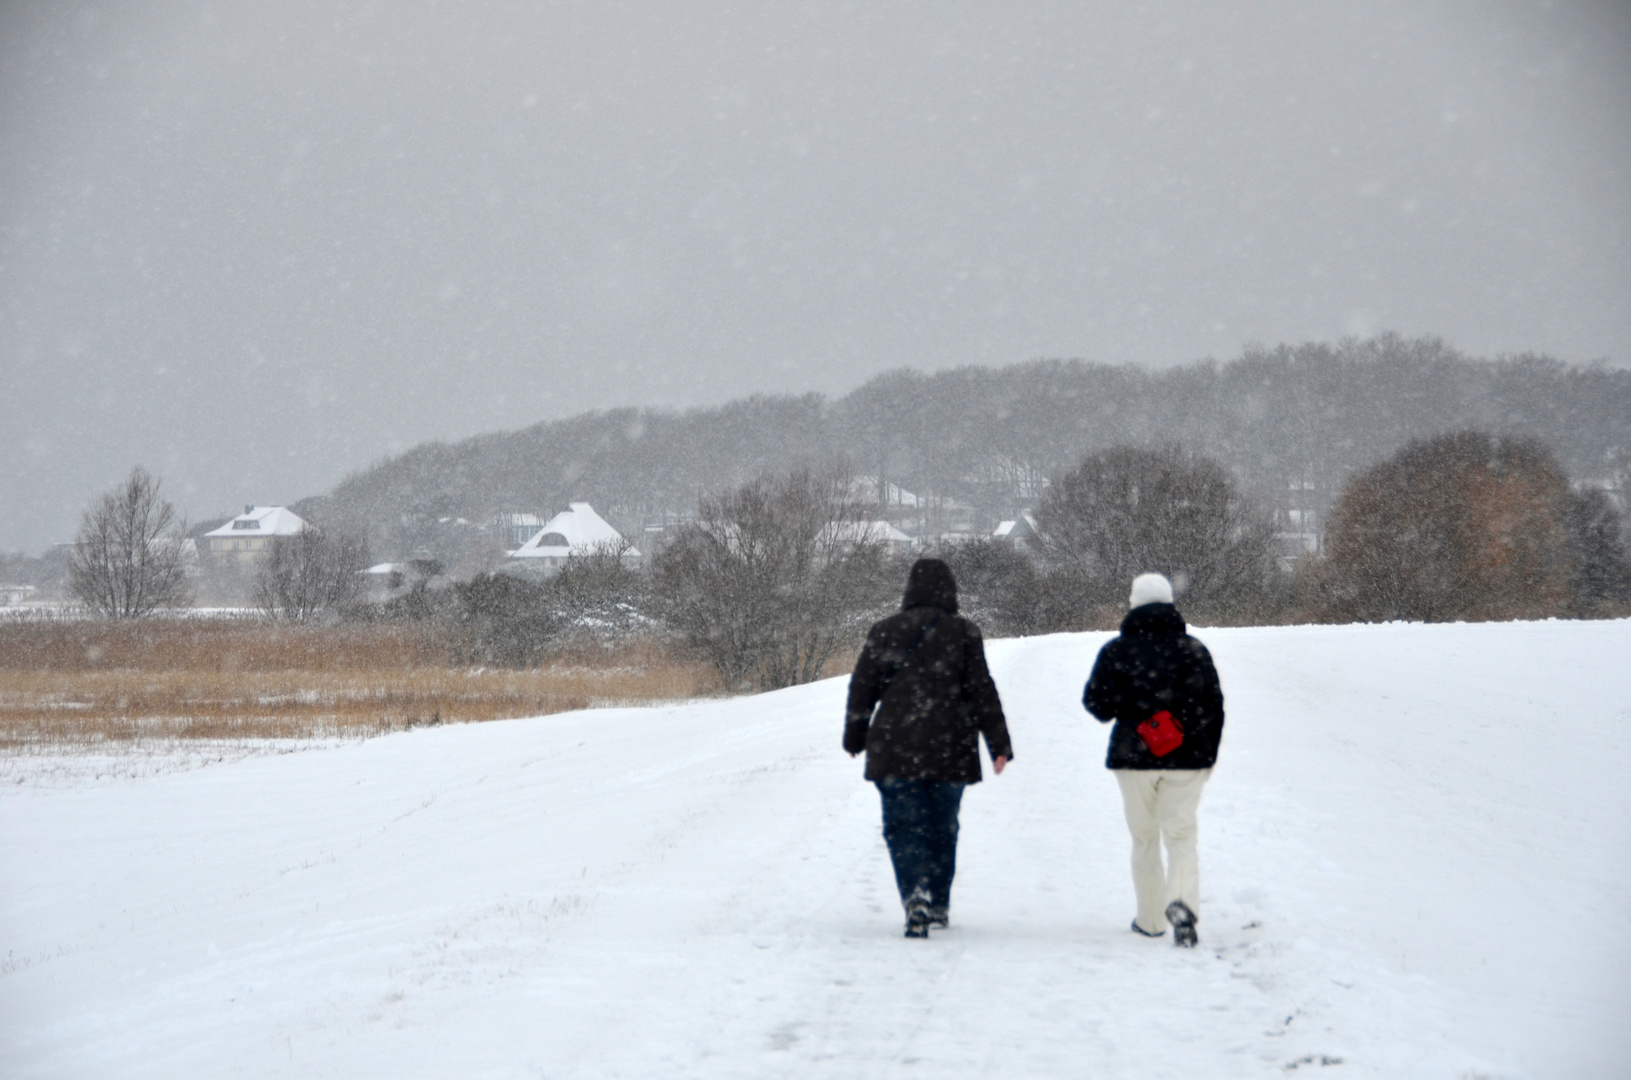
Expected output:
{"points": [[999, 763]]}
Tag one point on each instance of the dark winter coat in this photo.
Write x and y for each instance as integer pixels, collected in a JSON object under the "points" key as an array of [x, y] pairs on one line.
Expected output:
{"points": [[932, 713], [1156, 665]]}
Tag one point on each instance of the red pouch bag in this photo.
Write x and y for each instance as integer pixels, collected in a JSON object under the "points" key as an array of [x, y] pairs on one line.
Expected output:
{"points": [[1161, 733]]}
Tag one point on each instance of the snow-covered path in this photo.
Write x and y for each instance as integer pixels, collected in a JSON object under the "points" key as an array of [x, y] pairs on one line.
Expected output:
{"points": [[1415, 862]]}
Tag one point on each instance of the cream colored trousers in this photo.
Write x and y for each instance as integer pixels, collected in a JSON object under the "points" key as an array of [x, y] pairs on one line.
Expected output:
{"points": [[1160, 805]]}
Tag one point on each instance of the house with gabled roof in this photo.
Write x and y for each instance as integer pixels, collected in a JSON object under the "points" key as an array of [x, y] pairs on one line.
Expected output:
{"points": [[575, 531], [249, 536], [1020, 533]]}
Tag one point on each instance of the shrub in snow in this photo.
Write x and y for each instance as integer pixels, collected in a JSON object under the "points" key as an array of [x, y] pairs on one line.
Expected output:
{"points": [[1130, 510], [769, 583], [1467, 526]]}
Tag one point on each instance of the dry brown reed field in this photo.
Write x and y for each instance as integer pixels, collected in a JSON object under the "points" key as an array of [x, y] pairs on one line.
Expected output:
{"points": [[90, 683]]}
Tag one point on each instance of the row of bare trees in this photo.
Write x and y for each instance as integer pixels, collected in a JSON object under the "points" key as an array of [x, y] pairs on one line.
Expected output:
{"points": [[769, 582], [780, 575], [1466, 525], [1116, 514], [776, 577], [132, 558]]}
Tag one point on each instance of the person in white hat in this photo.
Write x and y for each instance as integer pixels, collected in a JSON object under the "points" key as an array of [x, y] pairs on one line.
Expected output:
{"points": [[1158, 685]]}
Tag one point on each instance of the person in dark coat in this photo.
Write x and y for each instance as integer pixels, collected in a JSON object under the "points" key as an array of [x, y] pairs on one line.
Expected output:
{"points": [[924, 672], [1155, 666]]}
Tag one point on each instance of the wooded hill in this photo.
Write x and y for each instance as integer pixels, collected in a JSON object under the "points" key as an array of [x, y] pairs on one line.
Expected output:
{"points": [[978, 444]]}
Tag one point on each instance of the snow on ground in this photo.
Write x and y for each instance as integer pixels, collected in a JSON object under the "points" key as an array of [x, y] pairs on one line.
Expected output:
{"points": [[1414, 852], [44, 764]]}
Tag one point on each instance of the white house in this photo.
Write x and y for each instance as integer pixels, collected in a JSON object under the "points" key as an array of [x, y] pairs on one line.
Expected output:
{"points": [[578, 531], [13, 595], [248, 537]]}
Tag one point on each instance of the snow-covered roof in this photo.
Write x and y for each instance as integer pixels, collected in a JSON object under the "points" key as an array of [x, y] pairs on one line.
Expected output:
{"points": [[1024, 525], [875, 531], [578, 531], [262, 521]]}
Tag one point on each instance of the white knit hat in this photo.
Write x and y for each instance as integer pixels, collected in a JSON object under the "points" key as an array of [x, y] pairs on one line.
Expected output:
{"points": [[1150, 589]]}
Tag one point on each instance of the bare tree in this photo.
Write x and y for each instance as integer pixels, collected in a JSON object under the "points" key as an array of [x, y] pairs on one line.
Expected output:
{"points": [[128, 558], [312, 572], [773, 577], [1128, 510]]}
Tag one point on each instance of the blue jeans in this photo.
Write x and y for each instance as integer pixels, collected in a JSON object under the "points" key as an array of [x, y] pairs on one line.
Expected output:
{"points": [[920, 827]]}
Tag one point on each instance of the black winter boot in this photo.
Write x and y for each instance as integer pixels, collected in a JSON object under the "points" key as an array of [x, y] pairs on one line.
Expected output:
{"points": [[1183, 925], [917, 915]]}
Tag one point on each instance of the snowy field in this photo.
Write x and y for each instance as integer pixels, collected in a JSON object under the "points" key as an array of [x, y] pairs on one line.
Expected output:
{"points": [[1416, 860]]}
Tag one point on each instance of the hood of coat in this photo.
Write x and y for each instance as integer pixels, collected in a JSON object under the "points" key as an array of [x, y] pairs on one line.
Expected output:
{"points": [[930, 584], [1154, 619]]}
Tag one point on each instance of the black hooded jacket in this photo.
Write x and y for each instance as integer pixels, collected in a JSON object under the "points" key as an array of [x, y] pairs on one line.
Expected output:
{"points": [[1154, 665], [932, 713]]}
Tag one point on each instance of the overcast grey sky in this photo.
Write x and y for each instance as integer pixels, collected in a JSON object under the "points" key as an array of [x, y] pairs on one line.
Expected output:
{"points": [[256, 247]]}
